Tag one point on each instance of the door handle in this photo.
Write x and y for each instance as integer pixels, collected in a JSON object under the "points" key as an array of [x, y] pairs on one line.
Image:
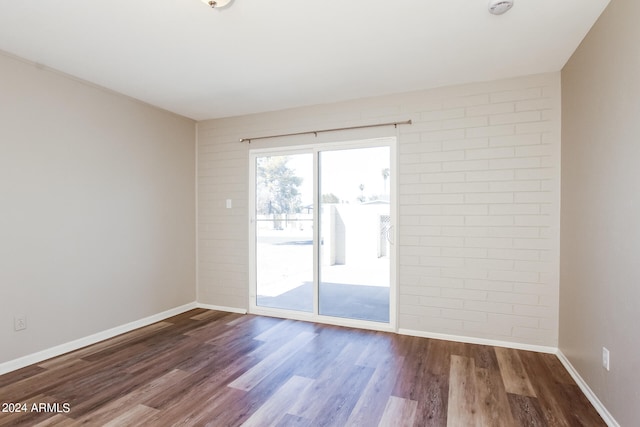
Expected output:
{"points": [[391, 235]]}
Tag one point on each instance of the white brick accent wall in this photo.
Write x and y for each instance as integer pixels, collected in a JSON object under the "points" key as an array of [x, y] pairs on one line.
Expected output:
{"points": [[478, 199]]}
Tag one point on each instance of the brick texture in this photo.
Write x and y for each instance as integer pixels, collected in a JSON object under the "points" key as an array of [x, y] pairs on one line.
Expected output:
{"points": [[478, 190]]}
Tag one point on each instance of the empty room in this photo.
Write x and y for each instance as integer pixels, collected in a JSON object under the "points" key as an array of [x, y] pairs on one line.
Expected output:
{"points": [[242, 213]]}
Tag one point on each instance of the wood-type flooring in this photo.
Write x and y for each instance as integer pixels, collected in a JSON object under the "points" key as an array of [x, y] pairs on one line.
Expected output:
{"points": [[221, 369]]}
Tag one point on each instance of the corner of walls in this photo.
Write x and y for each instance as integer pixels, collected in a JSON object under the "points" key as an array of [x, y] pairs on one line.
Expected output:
{"points": [[600, 232], [197, 212], [593, 398]]}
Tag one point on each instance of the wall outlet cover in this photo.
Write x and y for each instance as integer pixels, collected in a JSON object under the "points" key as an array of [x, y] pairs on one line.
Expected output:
{"points": [[20, 323]]}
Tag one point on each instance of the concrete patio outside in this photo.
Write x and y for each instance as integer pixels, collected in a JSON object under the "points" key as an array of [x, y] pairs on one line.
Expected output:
{"points": [[358, 290]]}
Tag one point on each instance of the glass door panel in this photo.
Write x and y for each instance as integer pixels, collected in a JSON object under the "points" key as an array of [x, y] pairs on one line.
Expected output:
{"points": [[354, 255], [284, 232]]}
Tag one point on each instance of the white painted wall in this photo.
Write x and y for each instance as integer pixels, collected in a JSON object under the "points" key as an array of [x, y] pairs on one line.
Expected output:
{"points": [[600, 272], [97, 209], [354, 234], [479, 203]]}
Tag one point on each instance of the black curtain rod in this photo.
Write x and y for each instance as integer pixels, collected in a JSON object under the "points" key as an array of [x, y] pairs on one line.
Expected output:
{"points": [[316, 132]]}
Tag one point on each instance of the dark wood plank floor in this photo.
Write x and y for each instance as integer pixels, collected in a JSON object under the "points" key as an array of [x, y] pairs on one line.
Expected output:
{"points": [[221, 369]]}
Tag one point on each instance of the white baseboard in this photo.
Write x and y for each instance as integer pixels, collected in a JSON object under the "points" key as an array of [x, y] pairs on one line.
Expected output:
{"points": [[58, 350], [38, 357], [222, 308], [325, 320], [597, 404], [481, 341]]}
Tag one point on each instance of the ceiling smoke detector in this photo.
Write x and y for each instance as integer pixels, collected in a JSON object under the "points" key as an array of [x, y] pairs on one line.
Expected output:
{"points": [[498, 7]]}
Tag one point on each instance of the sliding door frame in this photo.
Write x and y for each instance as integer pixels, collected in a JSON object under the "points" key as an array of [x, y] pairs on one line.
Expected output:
{"points": [[315, 149]]}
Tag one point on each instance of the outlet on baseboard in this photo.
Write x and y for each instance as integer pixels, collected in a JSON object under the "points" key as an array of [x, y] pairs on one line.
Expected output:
{"points": [[19, 323], [605, 358]]}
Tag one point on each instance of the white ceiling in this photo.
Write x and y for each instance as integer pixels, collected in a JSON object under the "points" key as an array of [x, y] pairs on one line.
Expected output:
{"points": [[259, 55]]}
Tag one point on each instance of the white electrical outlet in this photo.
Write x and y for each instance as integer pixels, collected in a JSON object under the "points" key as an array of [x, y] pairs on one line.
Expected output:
{"points": [[20, 323], [605, 358]]}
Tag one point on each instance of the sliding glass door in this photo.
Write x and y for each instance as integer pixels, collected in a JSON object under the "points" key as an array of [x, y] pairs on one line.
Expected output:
{"points": [[284, 231], [322, 232], [354, 278]]}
